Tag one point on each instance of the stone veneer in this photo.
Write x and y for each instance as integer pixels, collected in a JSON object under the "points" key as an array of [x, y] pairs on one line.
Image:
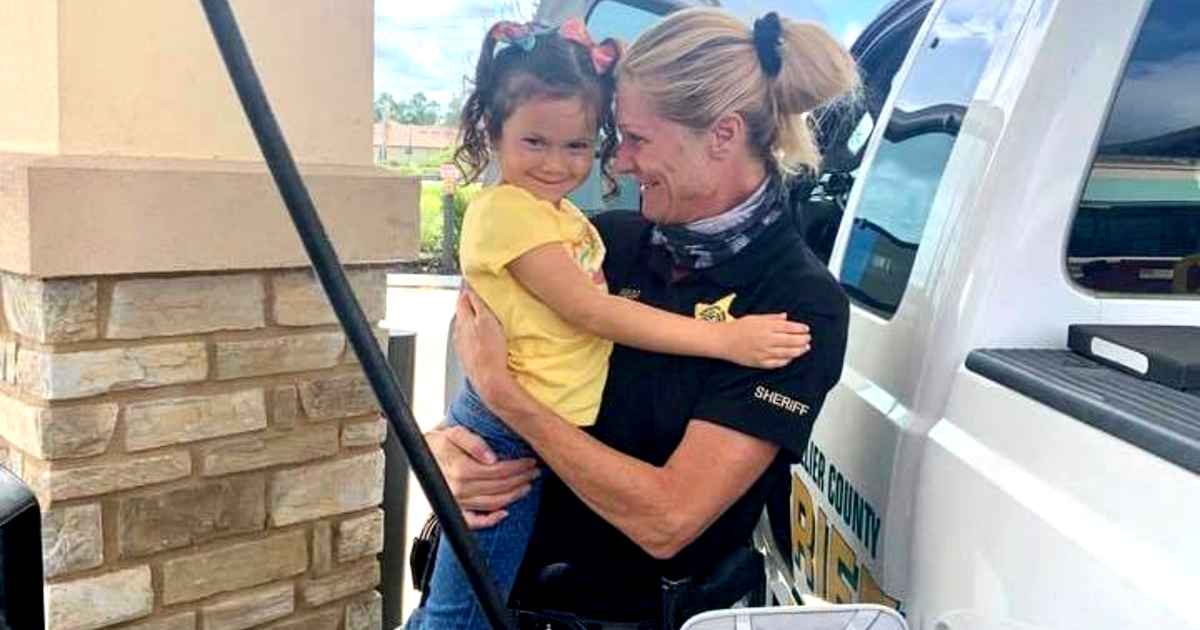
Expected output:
{"points": [[205, 449]]}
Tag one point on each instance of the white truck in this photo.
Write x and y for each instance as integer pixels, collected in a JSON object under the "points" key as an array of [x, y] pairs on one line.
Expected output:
{"points": [[1031, 169], [1021, 167]]}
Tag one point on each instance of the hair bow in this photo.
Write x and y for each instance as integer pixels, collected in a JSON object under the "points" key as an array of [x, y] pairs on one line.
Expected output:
{"points": [[603, 55], [518, 34]]}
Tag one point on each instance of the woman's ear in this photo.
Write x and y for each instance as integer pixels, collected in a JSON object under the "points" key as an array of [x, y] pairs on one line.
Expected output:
{"points": [[727, 134]]}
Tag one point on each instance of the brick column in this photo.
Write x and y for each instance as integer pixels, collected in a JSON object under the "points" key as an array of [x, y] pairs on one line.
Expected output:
{"points": [[173, 384], [205, 447]]}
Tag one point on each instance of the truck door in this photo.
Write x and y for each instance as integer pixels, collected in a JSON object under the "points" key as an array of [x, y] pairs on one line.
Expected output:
{"points": [[852, 491]]}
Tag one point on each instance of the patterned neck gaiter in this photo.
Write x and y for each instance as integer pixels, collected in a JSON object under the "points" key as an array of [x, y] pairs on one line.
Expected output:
{"points": [[709, 242]]}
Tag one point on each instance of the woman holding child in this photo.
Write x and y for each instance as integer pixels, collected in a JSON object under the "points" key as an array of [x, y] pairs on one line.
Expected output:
{"points": [[655, 363]]}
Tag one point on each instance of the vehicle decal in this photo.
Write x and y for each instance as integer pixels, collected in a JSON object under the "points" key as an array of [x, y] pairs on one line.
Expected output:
{"points": [[820, 552]]}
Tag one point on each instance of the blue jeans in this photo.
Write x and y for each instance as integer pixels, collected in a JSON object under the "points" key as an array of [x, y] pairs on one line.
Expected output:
{"points": [[450, 602]]}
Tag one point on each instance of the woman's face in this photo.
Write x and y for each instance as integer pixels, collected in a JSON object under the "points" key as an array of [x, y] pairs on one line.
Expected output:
{"points": [[669, 160]]}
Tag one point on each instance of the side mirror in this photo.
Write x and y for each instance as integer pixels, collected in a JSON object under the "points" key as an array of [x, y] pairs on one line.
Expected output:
{"points": [[21, 599], [837, 617]]}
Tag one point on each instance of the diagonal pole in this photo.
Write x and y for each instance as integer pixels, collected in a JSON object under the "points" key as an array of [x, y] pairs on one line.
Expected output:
{"points": [[354, 323]]}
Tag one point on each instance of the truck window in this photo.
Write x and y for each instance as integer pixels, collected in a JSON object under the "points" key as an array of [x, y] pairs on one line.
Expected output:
{"points": [[900, 184], [1137, 230], [615, 18]]}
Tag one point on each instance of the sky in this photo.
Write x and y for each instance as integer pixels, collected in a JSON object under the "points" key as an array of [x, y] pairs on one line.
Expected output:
{"points": [[431, 45], [428, 45]]}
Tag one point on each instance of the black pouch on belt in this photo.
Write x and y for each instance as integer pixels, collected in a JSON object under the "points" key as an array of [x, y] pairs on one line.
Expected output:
{"points": [[424, 551]]}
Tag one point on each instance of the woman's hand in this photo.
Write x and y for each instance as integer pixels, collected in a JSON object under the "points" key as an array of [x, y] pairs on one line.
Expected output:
{"points": [[765, 341], [482, 485], [481, 346]]}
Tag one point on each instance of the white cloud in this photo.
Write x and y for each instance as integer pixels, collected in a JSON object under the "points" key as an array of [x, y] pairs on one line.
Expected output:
{"points": [[429, 46], [851, 32]]}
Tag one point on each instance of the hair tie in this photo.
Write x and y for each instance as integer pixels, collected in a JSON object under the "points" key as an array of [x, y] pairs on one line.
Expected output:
{"points": [[524, 36], [767, 30]]}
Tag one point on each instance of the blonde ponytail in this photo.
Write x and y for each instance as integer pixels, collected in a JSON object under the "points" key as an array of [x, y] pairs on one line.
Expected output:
{"points": [[816, 71], [700, 64]]}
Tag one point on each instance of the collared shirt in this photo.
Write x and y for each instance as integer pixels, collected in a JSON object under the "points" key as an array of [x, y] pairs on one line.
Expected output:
{"points": [[650, 398]]}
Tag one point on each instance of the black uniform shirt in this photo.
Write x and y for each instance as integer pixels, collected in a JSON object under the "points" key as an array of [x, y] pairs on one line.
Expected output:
{"points": [[650, 398]]}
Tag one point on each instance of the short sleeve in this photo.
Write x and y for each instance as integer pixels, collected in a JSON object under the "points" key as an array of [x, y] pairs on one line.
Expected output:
{"points": [[781, 405], [502, 226]]}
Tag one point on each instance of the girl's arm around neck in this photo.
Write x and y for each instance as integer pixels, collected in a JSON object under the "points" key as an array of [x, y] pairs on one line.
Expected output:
{"points": [[765, 341]]}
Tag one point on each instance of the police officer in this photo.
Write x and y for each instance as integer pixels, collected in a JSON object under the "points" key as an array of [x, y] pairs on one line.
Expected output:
{"points": [[685, 452]]}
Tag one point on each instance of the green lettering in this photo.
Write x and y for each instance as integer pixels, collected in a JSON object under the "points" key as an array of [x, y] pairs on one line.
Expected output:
{"points": [[875, 536], [821, 469], [857, 523], [835, 486]]}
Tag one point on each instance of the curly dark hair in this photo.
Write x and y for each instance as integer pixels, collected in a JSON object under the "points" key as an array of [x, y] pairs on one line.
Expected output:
{"points": [[554, 68]]}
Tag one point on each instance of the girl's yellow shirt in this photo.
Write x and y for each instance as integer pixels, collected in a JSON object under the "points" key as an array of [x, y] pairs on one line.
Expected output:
{"points": [[562, 366]]}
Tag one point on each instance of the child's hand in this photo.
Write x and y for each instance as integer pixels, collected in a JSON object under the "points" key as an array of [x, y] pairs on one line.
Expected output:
{"points": [[765, 341]]}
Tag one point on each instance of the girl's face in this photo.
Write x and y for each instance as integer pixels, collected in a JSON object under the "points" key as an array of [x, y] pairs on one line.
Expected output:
{"points": [[546, 146]]}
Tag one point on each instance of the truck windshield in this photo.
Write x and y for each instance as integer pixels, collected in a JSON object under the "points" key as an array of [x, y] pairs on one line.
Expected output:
{"points": [[1137, 231]]}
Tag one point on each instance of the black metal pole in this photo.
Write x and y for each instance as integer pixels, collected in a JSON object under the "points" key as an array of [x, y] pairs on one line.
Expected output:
{"points": [[333, 279]]}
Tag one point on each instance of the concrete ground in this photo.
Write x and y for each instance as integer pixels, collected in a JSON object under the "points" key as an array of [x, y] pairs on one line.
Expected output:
{"points": [[426, 311]]}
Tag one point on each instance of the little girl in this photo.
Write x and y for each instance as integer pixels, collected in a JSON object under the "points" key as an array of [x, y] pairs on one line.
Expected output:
{"points": [[535, 112]]}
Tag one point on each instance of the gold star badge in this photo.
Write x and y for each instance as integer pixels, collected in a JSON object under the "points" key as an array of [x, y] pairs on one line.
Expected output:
{"points": [[717, 311]]}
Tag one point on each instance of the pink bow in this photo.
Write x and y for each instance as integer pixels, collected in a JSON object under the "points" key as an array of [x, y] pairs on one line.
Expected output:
{"points": [[603, 55]]}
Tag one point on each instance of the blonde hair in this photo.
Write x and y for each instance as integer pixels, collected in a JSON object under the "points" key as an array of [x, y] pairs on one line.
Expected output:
{"points": [[700, 64]]}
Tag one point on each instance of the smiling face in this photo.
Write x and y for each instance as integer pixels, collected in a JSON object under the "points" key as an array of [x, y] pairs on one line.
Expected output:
{"points": [[669, 160], [547, 145]]}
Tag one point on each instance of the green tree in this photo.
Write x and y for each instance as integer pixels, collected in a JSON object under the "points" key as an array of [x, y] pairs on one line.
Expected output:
{"points": [[420, 110], [386, 105], [453, 113]]}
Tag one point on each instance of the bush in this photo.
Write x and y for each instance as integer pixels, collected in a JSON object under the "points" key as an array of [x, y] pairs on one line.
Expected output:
{"points": [[431, 215], [428, 166]]}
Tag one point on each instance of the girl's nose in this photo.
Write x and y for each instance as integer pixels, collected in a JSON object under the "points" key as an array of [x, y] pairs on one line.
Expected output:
{"points": [[555, 163]]}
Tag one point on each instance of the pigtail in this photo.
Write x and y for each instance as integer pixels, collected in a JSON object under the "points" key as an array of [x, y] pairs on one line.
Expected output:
{"points": [[608, 120], [472, 155]]}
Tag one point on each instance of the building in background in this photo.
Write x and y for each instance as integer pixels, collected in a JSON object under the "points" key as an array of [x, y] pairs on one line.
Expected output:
{"points": [[410, 143]]}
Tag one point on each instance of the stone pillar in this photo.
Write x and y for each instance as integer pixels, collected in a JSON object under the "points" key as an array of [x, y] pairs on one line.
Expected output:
{"points": [[173, 384]]}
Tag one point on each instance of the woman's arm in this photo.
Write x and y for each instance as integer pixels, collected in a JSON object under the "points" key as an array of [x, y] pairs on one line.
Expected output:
{"points": [[763, 341], [662, 509]]}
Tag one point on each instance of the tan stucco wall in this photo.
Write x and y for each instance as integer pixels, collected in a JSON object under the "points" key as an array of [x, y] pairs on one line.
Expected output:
{"points": [[14, 219], [124, 149], [29, 76], [144, 78], [102, 216], [171, 96]]}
